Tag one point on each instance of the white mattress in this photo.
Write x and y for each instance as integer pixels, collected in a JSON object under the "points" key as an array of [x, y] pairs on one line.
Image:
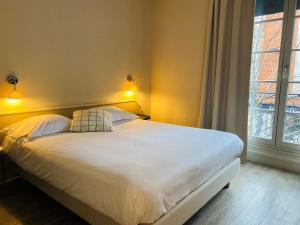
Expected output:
{"points": [[135, 174]]}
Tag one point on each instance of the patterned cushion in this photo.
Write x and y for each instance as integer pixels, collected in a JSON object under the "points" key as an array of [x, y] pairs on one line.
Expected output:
{"points": [[91, 120]]}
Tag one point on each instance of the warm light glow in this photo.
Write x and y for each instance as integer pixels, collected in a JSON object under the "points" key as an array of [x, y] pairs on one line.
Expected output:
{"points": [[13, 101], [14, 97], [129, 93]]}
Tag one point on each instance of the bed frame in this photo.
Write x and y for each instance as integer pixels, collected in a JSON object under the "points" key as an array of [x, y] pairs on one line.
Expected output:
{"points": [[184, 210], [178, 215], [8, 118]]}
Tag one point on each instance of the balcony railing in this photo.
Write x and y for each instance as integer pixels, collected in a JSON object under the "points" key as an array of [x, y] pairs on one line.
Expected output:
{"points": [[260, 124]]}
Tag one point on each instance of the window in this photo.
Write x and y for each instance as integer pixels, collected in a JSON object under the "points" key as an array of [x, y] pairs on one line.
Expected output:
{"points": [[274, 96]]}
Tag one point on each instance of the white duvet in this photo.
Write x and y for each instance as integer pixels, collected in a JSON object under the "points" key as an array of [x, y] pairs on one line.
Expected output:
{"points": [[135, 174]]}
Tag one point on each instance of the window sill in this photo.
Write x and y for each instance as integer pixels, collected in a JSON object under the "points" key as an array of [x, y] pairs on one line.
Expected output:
{"points": [[276, 157]]}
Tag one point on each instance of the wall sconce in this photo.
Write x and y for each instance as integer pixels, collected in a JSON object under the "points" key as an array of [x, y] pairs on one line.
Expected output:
{"points": [[131, 89], [14, 96]]}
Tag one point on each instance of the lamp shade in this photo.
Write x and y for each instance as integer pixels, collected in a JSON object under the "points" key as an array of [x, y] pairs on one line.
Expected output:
{"points": [[14, 96]]}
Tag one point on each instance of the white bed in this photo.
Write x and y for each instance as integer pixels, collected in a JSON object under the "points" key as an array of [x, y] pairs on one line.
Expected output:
{"points": [[137, 174]]}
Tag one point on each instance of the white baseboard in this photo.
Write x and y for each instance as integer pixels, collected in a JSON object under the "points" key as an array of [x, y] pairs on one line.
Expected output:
{"points": [[275, 159]]}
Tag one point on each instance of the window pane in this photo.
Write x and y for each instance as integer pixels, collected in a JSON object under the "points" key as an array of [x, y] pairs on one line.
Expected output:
{"points": [[268, 7], [268, 23], [294, 67], [291, 132], [260, 123], [298, 8], [264, 18], [264, 66], [263, 83], [267, 36], [296, 34]]}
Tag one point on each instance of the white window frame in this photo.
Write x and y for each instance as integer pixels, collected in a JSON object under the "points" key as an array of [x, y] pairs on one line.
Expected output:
{"points": [[276, 143]]}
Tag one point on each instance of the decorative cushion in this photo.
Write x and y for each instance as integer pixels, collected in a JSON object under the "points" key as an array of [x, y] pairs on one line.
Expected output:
{"points": [[91, 120]]}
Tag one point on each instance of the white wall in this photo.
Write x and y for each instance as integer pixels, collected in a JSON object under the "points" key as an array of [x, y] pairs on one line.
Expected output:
{"points": [[69, 52], [179, 31]]}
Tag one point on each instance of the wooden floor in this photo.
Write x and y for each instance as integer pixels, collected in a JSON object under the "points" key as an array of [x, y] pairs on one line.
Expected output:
{"points": [[260, 195]]}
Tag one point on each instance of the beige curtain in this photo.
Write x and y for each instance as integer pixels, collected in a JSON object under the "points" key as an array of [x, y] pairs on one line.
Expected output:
{"points": [[225, 84]]}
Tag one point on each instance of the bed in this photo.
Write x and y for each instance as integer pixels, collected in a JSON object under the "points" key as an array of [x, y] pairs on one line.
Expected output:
{"points": [[142, 173]]}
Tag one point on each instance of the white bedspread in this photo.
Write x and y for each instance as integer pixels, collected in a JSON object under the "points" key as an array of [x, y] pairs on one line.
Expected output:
{"points": [[136, 173]]}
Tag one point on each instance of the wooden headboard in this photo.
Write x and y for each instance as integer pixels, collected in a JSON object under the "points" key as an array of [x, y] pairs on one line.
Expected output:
{"points": [[7, 119]]}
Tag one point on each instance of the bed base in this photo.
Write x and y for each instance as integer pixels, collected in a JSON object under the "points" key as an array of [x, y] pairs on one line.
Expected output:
{"points": [[185, 209], [226, 186]]}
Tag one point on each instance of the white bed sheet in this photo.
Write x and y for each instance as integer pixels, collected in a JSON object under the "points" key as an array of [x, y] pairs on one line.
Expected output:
{"points": [[135, 174]]}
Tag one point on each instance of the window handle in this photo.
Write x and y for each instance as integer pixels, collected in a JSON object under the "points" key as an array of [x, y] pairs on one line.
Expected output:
{"points": [[286, 72]]}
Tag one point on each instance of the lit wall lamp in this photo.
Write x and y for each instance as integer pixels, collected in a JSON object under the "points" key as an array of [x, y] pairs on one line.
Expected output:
{"points": [[14, 96], [131, 88], [130, 92]]}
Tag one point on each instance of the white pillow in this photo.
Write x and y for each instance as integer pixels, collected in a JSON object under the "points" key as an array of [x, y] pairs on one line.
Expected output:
{"points": [[118, 114], [38, 126]]}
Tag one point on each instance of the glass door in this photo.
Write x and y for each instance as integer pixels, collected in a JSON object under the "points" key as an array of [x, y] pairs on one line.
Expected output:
{"points": [[265, 70], [289, 109], [274, 97]]}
